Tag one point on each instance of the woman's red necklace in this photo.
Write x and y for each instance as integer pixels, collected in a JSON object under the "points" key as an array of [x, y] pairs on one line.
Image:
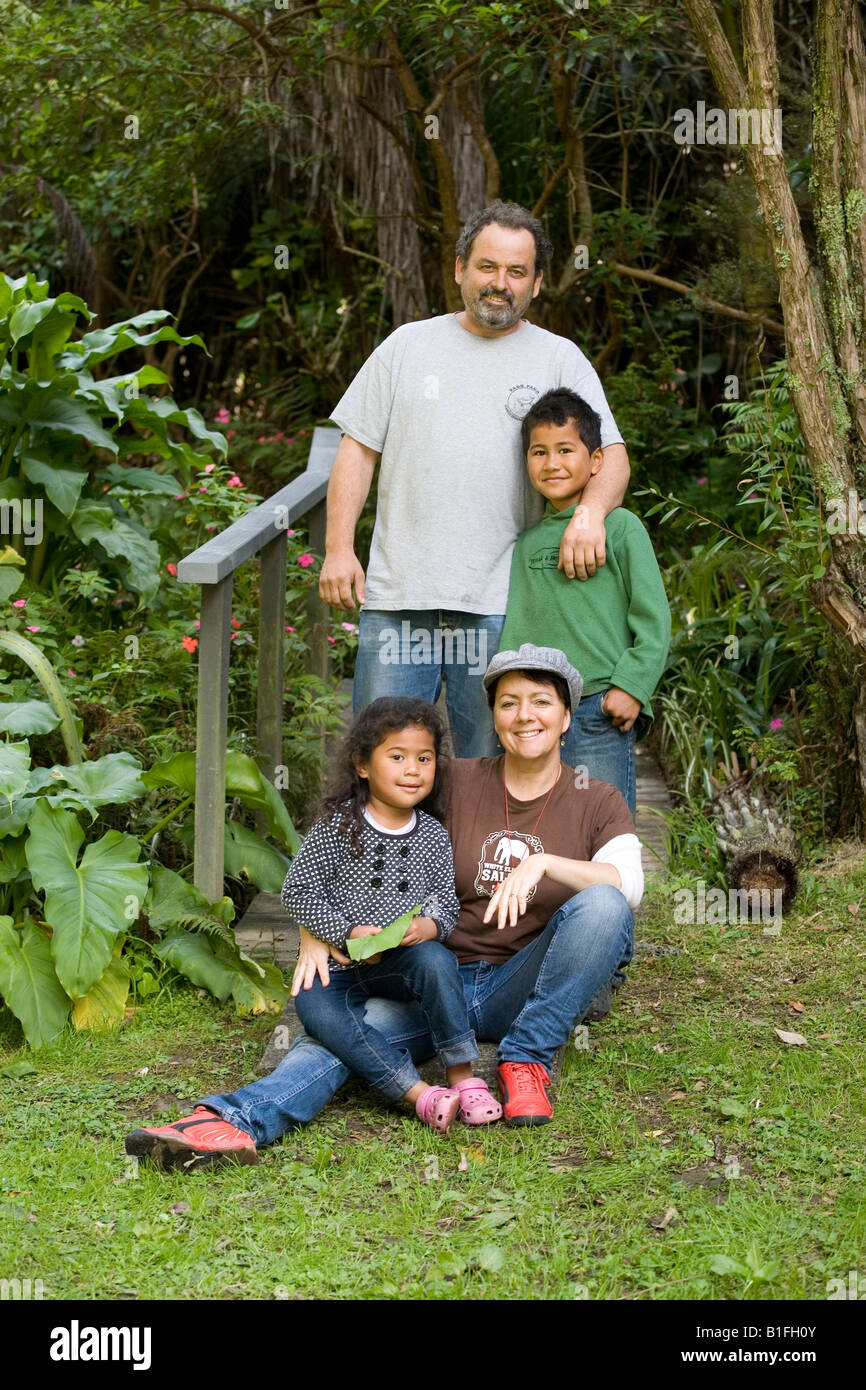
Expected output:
{"points": [[541, 812]]}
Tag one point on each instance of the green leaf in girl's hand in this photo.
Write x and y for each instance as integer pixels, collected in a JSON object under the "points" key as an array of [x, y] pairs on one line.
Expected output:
{"points": [[360, 947]]}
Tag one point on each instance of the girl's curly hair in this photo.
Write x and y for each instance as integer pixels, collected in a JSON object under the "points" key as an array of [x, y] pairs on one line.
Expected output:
{"points": [[349, 791]]}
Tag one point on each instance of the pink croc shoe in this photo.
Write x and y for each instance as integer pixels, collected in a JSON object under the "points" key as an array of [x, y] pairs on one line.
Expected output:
{"points": [[477, 1105], [437, 1107]]}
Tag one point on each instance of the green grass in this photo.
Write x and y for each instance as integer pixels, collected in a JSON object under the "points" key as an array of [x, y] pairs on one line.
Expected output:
{"points": [[686, 1099]]}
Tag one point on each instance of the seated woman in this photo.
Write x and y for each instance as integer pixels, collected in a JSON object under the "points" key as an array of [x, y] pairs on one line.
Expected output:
{"points": [[547, 868]]}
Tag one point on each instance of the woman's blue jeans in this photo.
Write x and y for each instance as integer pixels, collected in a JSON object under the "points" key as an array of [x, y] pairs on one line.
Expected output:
{"points": [[593, 742], [528, 1004], [427, 975]]}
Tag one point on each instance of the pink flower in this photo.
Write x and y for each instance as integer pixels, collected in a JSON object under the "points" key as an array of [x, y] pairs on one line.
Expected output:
{"points": [[234, 482], [172, 569], [78, 641], [196, 623], [212, 526], [222, 417], [209, 467], [70, 672], [189, 644], [701, 482], [305, 560], [202, 489], [289, 629], [33, 627], [19, 603], [278, 435], [332, 640], [776, 724], [262, 440], [348, 627], [230, 434], [290, 532], [290, 441]]}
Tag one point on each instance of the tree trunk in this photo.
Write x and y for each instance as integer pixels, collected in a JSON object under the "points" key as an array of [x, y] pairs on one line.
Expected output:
{"points": [[824, 313]]}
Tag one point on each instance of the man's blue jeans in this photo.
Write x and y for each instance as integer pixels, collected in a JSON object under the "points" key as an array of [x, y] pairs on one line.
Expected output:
{"points": [[593, 742], [425, 974], [408, 652], [528, 1004]]}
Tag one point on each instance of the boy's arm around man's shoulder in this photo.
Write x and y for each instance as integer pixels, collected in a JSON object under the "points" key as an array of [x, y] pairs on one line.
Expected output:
{"points": [[583, 548]]}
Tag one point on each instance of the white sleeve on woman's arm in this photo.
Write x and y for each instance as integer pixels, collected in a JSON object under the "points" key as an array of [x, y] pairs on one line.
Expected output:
{"points": [[623, 852]]}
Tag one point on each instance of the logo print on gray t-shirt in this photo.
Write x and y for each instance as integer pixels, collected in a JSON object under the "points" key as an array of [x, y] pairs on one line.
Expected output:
{"points": [[519, 399]]}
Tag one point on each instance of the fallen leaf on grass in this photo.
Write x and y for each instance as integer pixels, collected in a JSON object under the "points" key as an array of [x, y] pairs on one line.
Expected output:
{"points": [[490, 1257], [463, 1165], [853, 908], [678, 1095], [180, 1208], [795, 1004], [664, 1221], [793, 1039], [653, 1133]]}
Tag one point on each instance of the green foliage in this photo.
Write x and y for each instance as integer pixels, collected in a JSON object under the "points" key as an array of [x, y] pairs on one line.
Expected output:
{"points": [[58, 421]]}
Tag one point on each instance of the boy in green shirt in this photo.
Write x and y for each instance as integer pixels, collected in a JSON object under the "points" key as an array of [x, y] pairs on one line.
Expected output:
{"points": [[615, 628]]}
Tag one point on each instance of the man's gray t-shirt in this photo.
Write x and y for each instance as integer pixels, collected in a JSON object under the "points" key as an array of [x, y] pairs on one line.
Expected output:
{"points": [[443, 407]]}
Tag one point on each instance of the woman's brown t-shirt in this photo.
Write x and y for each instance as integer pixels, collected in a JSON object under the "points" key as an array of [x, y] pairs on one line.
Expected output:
{"points": [[576, 822]]}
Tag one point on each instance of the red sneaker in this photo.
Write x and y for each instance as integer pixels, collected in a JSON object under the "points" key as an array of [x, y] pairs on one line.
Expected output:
{"points": [[198, 1140], [522, 1090]]}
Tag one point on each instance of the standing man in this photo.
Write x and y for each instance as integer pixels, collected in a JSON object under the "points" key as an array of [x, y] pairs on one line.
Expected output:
{"points": [[441, 401]]}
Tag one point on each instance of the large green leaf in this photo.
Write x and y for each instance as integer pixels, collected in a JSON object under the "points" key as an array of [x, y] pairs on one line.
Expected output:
{"points": [[95, 523], [47, 410], [140, 480], [360, 947], [62, 485], [102, 1007], [28, 717], [258, 987], [13, 862], [87, 905], [248, 854], [171, 900], [108, 781], [101, 343], [14, 769], [244, 779], [191, 954], [10, 580], [29, 983]]}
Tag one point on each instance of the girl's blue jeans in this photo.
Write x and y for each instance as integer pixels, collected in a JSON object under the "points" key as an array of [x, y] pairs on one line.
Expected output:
{"points": [[426, 975], [528, 1004]]}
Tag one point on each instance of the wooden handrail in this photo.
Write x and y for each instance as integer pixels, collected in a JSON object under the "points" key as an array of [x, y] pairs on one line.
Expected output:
{"points": [[212, 566]]}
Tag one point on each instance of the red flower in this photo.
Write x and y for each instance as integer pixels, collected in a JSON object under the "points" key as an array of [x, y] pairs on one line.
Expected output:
{"points": [[189, 644], [172, 569]]}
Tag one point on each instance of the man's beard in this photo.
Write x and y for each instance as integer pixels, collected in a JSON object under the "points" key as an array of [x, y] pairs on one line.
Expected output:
{"points": [[497, 315]]}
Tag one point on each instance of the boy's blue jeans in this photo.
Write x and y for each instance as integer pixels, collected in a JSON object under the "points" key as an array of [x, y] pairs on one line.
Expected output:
{"points": [[593, 742], [426, 975], [408, 651], [528, 1004]]}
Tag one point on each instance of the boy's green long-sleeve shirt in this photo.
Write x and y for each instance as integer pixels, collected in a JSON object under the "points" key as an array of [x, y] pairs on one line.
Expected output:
{"points": [[615, 627]]}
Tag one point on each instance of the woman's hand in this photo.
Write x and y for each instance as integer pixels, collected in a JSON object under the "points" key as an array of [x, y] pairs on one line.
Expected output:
{"points": [[420, 929], [511, 896], [622, 708], [313, 960]]}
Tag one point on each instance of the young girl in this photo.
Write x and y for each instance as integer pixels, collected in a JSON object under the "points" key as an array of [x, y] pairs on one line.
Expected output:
{"points": [[376, 851]]}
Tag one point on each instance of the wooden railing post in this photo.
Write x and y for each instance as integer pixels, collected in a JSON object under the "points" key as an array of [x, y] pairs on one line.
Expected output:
{"points": [[272, 646], [318, 612], [211, 730]]}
